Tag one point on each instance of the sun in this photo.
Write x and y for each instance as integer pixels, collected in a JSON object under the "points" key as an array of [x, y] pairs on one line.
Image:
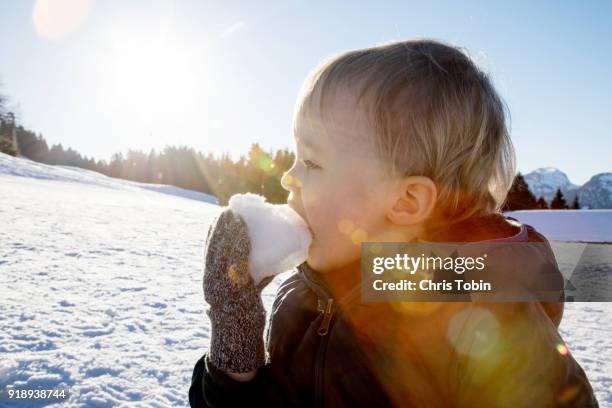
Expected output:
{"points": [[148, 80], [150, 75], [55, 19]]}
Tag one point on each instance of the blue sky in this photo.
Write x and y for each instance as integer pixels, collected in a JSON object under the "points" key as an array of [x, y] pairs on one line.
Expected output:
{"points": [[220, 75]]}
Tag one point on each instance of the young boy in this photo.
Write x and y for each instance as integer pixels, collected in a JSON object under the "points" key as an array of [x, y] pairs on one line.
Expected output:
{"points": [[395, 143]]}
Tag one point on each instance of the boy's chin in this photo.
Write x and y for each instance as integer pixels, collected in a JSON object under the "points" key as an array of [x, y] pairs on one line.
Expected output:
{"points": [[321, 263], [311, 260], [314, 260]]}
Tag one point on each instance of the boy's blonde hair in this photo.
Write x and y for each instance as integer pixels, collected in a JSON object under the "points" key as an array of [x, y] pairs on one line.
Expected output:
{"points": [[433, 113]]}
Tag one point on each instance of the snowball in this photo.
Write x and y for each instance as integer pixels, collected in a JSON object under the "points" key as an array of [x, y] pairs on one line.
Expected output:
{"points": [[280, 238]]}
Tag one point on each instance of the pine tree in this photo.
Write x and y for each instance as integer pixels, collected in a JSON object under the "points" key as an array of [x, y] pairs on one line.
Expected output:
{"points": [[558, 202], [3, 102], [541, 203], [116, 165], [519, 197], [7, 146], [576, 203]]}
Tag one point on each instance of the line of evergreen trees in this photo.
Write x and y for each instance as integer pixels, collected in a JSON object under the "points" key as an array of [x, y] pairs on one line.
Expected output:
{"points": [[260, 172], [7, 145], [520, 197]]}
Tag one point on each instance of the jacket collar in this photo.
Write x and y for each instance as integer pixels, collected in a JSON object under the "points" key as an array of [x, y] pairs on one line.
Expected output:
{"points": [[490, 228], [342, 284]]}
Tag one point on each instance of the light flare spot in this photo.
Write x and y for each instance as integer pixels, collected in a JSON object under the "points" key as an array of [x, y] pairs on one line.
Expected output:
{"points": [[288, 181], [562, 349], [568, 393], [473, 331], [235, 276], [376, 247], [311, 200], [346, 226], [54, 19], [415, 308], [358, 236]]}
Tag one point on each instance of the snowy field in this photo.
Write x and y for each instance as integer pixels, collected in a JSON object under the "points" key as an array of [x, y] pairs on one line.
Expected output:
{"points": [[569, 225], [100, 287]]}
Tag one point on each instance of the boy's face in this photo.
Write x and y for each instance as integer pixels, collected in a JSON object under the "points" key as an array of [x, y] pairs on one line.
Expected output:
{"points": [[337, 184]]}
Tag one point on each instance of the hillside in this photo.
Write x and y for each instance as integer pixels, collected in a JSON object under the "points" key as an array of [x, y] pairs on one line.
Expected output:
{"points": [[24, 167]]}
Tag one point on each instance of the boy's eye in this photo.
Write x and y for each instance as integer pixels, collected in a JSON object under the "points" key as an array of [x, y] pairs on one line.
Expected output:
{"points": [[310, 164]]}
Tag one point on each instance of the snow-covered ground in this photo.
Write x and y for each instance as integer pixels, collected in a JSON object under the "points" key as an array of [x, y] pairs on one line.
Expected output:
{"points": [[25, 167], [569, 225], [100, 290]]}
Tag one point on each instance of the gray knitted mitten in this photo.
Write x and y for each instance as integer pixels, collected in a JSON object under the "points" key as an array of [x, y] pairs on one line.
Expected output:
{"points": [[236, 311]]}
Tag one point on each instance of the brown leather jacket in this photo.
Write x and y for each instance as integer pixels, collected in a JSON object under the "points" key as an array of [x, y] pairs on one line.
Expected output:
{"points": [[327, 348]]}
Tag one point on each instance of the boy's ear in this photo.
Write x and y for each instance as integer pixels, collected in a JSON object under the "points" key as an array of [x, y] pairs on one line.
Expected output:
{"points": [[414, 201]]}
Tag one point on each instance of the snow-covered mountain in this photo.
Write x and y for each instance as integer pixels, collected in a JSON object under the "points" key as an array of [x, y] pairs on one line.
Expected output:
{"points": [[543, 182], [596, 193]]}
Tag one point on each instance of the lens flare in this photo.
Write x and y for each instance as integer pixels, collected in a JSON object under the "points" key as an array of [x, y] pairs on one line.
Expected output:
{"points": [[288, 181], [55, 19], [237, 275], [262, 160], [358, 236], [562, 349], [311, 199], [416, 308], [568, 393], [473, 331], [376, 248]]}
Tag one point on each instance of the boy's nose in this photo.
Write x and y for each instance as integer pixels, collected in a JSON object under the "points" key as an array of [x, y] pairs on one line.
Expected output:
{"points": [[290, 182]]}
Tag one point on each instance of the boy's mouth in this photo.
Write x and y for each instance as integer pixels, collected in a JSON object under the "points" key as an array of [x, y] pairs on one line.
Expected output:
{"points": [[293, 207]]}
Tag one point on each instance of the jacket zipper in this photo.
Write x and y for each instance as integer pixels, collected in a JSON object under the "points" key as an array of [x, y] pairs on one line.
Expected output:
{"points": [[327, 323], [323, 330], [327, 315]]}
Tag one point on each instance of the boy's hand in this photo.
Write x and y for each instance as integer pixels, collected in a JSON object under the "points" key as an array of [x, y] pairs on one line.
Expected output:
{"points": [[236, 311]]}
